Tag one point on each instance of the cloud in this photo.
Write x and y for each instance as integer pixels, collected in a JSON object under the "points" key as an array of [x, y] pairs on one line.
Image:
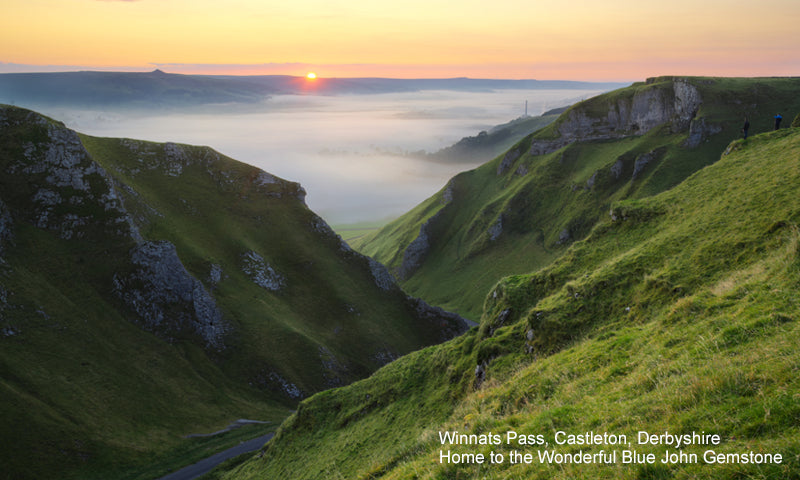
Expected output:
{"points": [[347, 151]]}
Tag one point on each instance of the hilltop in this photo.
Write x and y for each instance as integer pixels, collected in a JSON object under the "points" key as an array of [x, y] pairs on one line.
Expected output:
{"points": [[673, 313], [150, 291], [522, 210]]}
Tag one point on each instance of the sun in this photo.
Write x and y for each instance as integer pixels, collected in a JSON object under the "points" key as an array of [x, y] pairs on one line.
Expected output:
{"points": [[311, 75]]}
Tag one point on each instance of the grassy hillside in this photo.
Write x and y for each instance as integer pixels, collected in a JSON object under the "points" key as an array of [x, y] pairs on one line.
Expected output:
{"points": [[150, 291], [523, 209], [677, 313]]}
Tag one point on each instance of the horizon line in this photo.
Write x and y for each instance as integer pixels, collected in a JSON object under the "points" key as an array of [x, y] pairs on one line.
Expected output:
{"points": [[300, 70], [323, 78], [383, 71]]}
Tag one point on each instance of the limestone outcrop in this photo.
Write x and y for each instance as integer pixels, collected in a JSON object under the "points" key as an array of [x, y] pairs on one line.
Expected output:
{"points": [[167, 299], [655, 104]]}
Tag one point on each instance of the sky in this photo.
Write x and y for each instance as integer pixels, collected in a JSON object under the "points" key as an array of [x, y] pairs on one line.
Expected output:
{"points": [[605, 40]]}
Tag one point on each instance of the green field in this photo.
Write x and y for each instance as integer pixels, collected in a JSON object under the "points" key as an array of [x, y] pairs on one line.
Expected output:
{"points": [[353, 231]]}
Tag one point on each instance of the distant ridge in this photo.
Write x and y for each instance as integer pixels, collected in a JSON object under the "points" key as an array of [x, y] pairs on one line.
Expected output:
{"points": [[160, 89]]}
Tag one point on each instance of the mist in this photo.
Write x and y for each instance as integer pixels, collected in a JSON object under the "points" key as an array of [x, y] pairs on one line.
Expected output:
{"points": [[348, 151]]}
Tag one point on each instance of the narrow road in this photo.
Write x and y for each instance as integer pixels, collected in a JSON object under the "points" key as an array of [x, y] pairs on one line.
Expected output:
{"points": [[207, 464]]}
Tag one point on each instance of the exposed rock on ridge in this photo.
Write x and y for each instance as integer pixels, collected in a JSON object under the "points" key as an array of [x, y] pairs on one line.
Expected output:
{"points": [[166, 297], [5, 228], [261, 273], [63, 182], [383, 279], [416, 251], [508, 159], [648, 108], [65, 186], [451, 323]]}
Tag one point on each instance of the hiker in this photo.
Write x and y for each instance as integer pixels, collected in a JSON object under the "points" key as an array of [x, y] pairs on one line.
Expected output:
{"points": [[746, 127], [778, 119]]}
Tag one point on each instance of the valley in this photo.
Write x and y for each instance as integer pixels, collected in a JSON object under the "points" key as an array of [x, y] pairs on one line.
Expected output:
{"points": [[630, 265]]}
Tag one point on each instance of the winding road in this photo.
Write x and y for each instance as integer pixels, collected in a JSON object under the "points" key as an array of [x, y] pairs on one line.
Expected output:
{"points": [[207, 464]]}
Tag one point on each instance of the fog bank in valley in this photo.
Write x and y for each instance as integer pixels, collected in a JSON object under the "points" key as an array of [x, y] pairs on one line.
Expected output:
{"points": [[347, 151]]}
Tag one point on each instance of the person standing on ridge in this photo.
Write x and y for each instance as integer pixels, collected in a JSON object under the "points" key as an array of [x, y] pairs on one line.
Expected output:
{"points": [[778, 119], [746, 126]]}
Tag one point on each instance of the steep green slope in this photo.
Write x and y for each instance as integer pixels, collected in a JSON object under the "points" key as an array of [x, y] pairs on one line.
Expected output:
{"points": [[521, 210], [677, 314], [149, 291]]}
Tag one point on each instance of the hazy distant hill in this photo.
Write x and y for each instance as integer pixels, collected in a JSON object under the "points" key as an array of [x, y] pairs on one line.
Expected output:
{"points": [[163, 90], [490, 143]]}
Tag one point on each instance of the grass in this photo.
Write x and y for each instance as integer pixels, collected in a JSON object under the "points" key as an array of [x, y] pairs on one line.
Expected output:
{"points": [[680, 316], [353, 231]]}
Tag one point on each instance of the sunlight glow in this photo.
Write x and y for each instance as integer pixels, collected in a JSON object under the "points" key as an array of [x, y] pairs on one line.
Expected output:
{"points": [[587, 40], [311, 76]]}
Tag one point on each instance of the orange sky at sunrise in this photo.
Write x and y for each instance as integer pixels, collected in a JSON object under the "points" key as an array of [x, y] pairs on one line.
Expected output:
{"points": [[543, 39]]}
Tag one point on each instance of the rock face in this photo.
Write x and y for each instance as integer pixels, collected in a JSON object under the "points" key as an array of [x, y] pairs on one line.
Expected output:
{"points": [[416, 251], [635, 115], [5, 228], [616, 169], [699, 131], [641, 162], [166, 298], [383, 279], [449, 192], [333, 369], [261, 273], [73, 196], [564, 237], [176, 159], [286, 387], [63, 183], [590, 183], [508, 159], [496, 229], [451, 324]]}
